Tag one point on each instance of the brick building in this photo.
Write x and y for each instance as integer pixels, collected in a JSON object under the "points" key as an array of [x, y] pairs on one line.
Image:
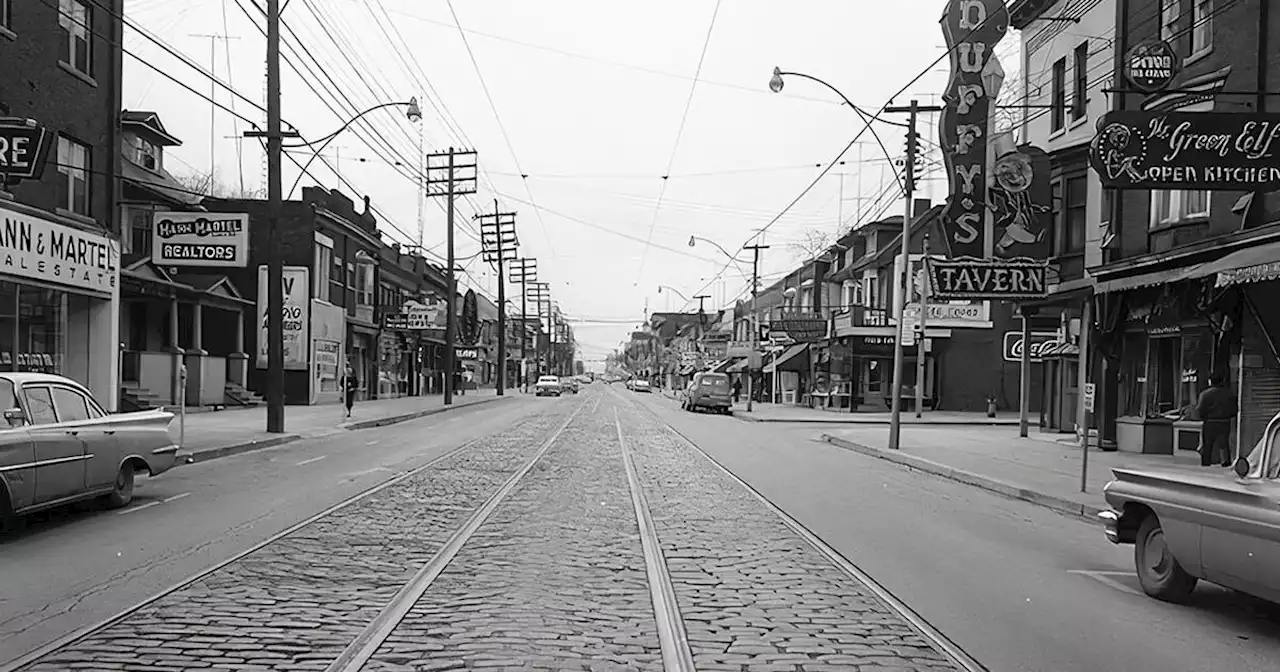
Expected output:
{"points": [[59, 279]]}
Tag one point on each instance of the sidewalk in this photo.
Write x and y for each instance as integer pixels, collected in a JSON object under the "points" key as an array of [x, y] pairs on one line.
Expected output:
{"points": [[1043, 468], [220, 433], [765, 412]]}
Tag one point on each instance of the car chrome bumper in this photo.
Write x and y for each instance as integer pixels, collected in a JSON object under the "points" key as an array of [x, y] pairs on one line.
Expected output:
{"points": [[1110, 525]]}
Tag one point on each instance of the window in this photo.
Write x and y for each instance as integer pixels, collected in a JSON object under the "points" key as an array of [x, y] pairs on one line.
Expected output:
{"points": [[1079, 97], [1059, 205], [323, 262], [1170, 12], [1173, 207], [1202, 26], [1074, 219], [77, 22], [138, 240], [7, 398], [73, 165], [351, 276], [1058, 110], [148, 155], [40, 406], [71, 405], [364, 285]]}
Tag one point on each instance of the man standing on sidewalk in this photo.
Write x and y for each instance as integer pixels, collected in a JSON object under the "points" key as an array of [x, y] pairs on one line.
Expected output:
{"points": [[350, 384], [1216, 408]]}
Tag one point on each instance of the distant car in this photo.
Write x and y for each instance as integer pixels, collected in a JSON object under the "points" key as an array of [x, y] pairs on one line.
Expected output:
{"points": [[708, 390], [641, 386], [58, 445], [548, 386], [631, 383], [1188, 524], [569, 385]]}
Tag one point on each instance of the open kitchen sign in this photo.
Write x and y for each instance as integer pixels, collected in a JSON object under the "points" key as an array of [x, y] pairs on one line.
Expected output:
{"points": [[1187, 150], [200, 239]]}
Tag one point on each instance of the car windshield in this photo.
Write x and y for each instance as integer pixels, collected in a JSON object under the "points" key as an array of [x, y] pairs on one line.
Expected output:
{"points": [[716, 383]]}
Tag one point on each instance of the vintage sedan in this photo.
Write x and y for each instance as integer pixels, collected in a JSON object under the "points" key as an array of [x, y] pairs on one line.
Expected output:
{"points": [[548, 386], [57, 445], [1219, 525]]}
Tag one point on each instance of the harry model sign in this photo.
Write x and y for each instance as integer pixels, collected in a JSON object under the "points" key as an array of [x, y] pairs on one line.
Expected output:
{"points": [[972, 29], [200, 239]]}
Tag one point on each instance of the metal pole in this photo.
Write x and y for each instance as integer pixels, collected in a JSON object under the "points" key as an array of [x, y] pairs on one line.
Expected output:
{"points": [[924, 314], [1024, 379], [275, 262], [755, 319], [1082, 415], [524, 326], [901, 286], [182, 407], [451, 319], [502, 307]]}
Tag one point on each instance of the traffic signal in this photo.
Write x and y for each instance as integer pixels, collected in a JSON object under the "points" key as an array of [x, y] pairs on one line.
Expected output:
{"points": [[912, 170]]}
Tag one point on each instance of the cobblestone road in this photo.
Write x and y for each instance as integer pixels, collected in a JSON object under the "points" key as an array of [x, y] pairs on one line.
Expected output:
{"points": [[296, 603], [555, 580], [754, 595]]}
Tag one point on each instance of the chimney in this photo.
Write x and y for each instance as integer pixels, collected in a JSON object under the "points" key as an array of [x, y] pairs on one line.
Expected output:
{"points": [[367, 211]]}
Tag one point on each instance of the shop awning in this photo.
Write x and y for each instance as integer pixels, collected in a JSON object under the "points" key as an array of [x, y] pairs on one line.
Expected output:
{"points": [[790, 360], [1254, 264], [1150, 279], [724, 365], [736, 367]]}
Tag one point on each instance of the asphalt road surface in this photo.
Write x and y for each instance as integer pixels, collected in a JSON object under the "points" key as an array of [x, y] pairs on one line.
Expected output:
{"points": [[596, 531]]}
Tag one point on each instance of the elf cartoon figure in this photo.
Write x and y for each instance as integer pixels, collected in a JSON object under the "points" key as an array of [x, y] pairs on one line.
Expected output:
{"points": [[1012, 200]]}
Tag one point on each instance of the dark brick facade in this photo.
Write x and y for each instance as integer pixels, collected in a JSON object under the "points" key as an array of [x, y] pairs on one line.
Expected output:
{"points": [[36, 83]]}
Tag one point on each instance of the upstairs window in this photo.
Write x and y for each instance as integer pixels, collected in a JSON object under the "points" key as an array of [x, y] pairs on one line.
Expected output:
{"points": [[148, 155], [320, 278], [1170, 12], [1058, 109], [76, 20], [1201, 27], [364, 284], [73, 167], [1075, 216], [1080, 94]]}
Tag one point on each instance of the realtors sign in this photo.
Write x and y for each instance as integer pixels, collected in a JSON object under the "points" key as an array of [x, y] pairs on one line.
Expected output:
{"points": [[1137, 149], [200, 239]]}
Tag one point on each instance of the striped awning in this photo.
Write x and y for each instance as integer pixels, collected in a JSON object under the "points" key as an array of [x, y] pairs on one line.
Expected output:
{"points": [[1254, 264]]}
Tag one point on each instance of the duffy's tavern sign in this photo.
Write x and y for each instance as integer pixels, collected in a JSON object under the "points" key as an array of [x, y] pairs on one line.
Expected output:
{"points": [[1187, 150]]}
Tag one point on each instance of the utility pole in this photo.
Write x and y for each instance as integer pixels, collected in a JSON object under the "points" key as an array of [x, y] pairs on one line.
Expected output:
{"points": [[455, 177], [213, 92], [524, 271], [498, 243], [755, 320], [902, 285], [924, 317], [275, 263]]}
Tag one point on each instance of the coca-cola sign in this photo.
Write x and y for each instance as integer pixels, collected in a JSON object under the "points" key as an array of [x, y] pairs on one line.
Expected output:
{"points": [[1187, 150], [1040, 342]]}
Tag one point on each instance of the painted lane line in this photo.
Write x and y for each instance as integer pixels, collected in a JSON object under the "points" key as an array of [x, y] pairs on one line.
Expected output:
{"points": [[1104, 577], [367, 643], [370, 443], [314, 459], [176, 497], [948, 648], [77, 635], [139, 507], [673, 639]]}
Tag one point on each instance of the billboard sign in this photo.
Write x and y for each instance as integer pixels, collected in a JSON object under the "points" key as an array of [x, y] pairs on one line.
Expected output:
{"points": [[1218, 151], [297, 317]]}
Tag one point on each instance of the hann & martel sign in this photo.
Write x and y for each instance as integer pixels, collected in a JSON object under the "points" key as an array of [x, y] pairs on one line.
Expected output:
{"points": [[1187, 150]]}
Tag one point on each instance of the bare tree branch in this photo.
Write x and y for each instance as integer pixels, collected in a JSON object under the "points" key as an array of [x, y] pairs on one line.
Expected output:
{"points": [[814, 243]]}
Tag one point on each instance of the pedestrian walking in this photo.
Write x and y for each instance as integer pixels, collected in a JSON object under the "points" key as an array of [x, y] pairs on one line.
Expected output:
{"points": [[737, 389], [1216, 408], [349, 386]]}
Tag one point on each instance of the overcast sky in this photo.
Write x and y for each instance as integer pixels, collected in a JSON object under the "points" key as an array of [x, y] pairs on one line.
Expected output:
{"points": [[594, 103]]}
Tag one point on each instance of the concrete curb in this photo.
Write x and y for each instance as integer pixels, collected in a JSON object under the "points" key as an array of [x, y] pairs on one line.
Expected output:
{"points": [[741, 415], [1053, 502], [260, 444]]}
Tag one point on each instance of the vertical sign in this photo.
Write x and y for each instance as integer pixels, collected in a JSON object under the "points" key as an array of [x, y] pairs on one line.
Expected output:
{"points": [[972, 29], [297, 316]]}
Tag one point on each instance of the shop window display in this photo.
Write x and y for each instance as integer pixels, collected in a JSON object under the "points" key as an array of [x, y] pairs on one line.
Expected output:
{"points": [[33, 329]]}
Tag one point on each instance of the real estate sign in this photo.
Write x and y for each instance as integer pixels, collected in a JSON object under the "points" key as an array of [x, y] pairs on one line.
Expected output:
{"points": [[217, 239]]}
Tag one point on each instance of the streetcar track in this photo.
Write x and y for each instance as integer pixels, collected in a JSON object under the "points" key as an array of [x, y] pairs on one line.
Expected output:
{"points": [[366, 644], [673, 639], [79, 634], [918, 623]]}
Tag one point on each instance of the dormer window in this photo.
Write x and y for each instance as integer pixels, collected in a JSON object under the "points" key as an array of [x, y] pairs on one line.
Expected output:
{"points": [[148, 155]]}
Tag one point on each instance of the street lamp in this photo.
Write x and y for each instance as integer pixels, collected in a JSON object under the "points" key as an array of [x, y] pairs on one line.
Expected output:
{"points": [[677, 292], [414, 114], [736, 261]]}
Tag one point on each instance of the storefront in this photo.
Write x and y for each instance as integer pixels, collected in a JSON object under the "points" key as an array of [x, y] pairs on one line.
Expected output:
{"points": [[363, 359], [59, 300]]}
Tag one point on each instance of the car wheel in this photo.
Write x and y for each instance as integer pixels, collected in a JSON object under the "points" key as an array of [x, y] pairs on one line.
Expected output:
{"points": [[1158, 571], [123, 492]]}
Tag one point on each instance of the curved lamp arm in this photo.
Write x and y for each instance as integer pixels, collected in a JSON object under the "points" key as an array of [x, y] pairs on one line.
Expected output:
{"points": [[414, 114], [677, 292], [736, 261], [776, 83]]}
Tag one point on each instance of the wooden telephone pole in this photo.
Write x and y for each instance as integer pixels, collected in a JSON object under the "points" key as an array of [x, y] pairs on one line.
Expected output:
{"points": [[498, 244], [451, 174]]}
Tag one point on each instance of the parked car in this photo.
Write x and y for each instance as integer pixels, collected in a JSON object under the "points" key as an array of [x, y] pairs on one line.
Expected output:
{"points": [[58, 445], [708, 390], [570, 385], [547, 386], [1188, 524], [631, 383], [641, 386]]}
